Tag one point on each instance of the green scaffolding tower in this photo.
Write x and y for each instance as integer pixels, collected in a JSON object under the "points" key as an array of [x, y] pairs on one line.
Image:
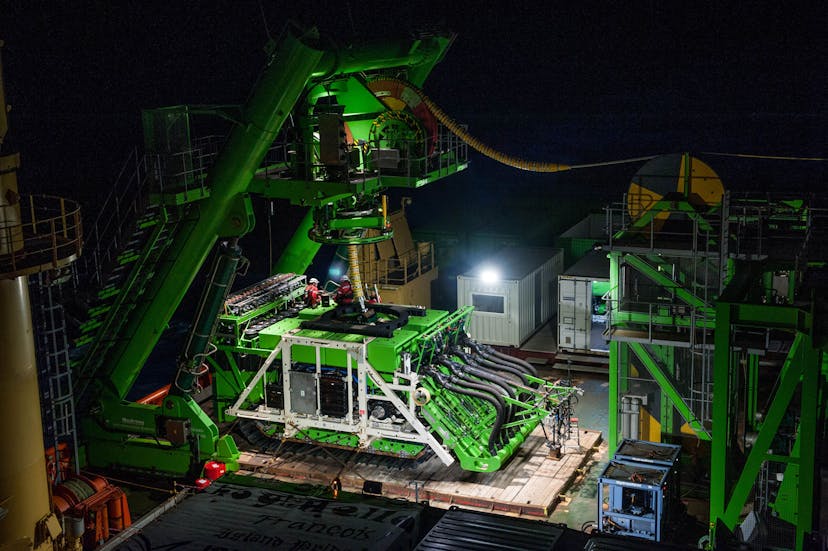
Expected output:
{"points": [[716, 338]]}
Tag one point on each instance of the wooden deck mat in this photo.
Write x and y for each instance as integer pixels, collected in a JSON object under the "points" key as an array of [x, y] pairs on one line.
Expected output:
{"points": [[529, 485]]}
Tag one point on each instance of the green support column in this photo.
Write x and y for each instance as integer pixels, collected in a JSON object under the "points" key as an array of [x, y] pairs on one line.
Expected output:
{"points": [[789, 379], [721, 421], [668, 425], [809, 433], [752, 376], [619, 384], [613, 396]]}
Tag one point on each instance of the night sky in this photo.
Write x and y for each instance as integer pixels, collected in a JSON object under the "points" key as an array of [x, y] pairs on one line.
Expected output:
{"points": [[573, 82]]}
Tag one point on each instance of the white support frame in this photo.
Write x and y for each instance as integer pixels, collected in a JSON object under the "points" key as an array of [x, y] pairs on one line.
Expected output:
{"points": [[362, 426]]}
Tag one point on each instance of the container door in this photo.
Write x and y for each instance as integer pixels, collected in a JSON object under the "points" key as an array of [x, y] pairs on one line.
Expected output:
{"points": [[574, 314]]}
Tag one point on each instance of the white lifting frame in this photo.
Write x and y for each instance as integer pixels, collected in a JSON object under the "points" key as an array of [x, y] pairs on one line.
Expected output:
{"points": [[361, 425]]}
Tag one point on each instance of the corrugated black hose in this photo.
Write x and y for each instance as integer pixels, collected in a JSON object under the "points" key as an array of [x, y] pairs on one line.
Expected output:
{"points": [[448, 384], [495, 390], [480, 360]]}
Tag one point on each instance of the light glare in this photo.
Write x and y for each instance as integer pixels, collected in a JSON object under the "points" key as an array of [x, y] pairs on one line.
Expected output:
{"points": [[489, 275]]}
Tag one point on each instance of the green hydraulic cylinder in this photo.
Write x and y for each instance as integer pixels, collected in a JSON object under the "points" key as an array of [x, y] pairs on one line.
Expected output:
{"points": [[300, 250], [221, 278], [226, 212]]}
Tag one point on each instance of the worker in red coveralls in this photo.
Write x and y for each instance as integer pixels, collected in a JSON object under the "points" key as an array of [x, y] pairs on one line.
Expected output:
{"points": [[312, 298], [345, 293]]}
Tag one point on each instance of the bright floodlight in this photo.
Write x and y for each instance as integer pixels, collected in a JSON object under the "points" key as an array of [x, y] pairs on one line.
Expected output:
{"points": [[489, 275]]}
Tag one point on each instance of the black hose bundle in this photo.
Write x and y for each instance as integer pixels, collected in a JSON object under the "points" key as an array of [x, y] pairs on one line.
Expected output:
{"points": [[448, 384], [517, 361], [492, 388], [489, 353], [481, 361]]}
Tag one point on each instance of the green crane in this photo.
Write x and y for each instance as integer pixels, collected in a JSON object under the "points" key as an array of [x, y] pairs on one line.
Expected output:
{"points": [[176, 435]]}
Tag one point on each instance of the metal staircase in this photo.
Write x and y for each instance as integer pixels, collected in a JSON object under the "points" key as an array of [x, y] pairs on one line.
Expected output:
{"points": [[127, 240]]}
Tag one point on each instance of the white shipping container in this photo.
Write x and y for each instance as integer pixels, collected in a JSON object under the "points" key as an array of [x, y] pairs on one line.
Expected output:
{"points": [[514, 293], [581, 313]]}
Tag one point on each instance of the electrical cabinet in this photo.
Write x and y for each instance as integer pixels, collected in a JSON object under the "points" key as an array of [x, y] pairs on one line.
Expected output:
{"points": [[638, 490]]}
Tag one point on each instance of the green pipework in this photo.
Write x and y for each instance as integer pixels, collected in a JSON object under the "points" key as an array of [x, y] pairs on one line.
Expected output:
{"points": [[811, 429], [767, 287], [613, 389], [300, 251]]}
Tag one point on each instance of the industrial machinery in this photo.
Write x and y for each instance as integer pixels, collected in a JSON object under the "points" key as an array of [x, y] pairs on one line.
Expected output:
{"points": [[396, 380], [638, 491], [325, 130], [719, 294]]}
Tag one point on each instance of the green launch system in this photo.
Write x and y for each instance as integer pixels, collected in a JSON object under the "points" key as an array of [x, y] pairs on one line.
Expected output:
{"points": [[711, 295], [389, 379]]}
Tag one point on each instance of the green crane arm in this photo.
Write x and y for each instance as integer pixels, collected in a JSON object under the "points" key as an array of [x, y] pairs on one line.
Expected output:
{"points": [[289, 69], [292, 64]]}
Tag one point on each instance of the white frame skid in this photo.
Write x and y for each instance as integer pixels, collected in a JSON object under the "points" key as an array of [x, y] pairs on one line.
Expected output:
{"points": [[365, 428]]}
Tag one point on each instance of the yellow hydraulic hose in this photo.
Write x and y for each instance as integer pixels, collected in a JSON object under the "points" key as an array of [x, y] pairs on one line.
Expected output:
{"points": [[448, 122], [353, 269]]}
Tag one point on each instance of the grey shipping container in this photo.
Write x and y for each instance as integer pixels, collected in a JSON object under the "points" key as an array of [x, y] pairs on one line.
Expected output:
{"points": [[514, 293], [581, 310]]}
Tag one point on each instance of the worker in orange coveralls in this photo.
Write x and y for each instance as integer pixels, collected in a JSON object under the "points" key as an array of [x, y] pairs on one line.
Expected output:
{"points": [[312, 298], [345, 293]]}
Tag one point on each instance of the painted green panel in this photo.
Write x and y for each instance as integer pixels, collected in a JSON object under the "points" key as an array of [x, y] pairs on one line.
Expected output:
{"points": [[269, 337]]}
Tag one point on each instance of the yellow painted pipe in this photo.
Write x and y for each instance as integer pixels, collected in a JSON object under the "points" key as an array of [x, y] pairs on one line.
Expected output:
{"points": [[23, 489]]}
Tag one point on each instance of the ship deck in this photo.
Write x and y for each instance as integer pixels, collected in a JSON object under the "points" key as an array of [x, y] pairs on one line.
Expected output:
{"points": [[529, 485]]}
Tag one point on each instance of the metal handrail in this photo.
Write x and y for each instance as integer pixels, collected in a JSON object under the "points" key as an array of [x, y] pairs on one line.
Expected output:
{"points": [[47, 235], [125, 202], [401, 269]]}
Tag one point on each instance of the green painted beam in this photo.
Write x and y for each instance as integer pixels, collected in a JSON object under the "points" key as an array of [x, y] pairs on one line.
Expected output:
{"points": [[278, 89], [614, 357], [666, 355], [771, 315], [809, 435], [660, 317], [300, 250], [751, 389], [671, 206], [719, 466], [668, 386], [789, 378], [664, 280]]}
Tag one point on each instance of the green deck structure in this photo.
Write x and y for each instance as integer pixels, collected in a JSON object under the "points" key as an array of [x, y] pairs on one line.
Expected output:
{"points": [[719, 299]]}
